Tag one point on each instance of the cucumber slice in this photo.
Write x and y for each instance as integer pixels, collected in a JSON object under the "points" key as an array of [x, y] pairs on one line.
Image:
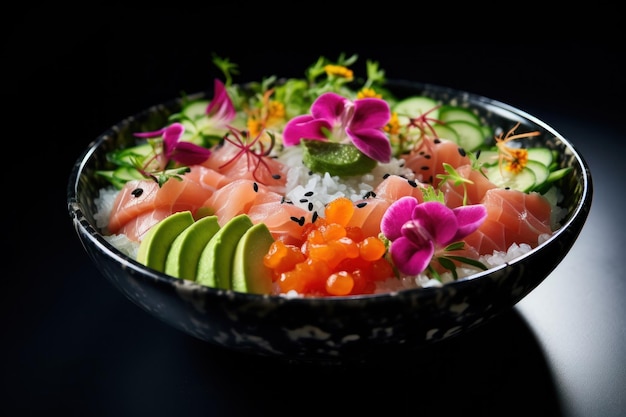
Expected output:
{"points": [[449, 113], [542, 155], [488, 157], [540, 170], [522, 181], [445, 132], [414, 107], [558, 174], [127, 156], [195, 110], [470, 135]]}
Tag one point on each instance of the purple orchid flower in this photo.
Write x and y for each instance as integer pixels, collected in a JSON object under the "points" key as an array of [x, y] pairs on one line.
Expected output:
{"points": [[337, 118], [181, 151], [419, 231]]}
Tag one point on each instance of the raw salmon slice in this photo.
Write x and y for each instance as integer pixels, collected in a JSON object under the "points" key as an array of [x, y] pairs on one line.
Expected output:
{"points": [[394, 186], [225, 161], [369, 211], [427, 161], [476, 189], [139, 197], [233, 199], [512, 217], [285, 221]]}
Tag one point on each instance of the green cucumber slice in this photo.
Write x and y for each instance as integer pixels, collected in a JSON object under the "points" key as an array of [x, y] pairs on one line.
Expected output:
{"points": [[196, 109], [414, 107], [446, 132], [127, 156], [558, 174], [470, 135], [522, 181], [449, 113], [488, 157], [543, 155], [540, 170]]}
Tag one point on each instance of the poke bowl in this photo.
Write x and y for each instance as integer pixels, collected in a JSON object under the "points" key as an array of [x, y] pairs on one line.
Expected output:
{"points": [[331, 218]]}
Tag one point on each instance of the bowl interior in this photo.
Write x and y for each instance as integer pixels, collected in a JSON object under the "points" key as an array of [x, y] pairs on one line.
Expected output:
{"points": [[84, 185]]}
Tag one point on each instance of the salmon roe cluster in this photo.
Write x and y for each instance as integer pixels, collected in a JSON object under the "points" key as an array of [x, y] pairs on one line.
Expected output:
{"points": [[334, 260]]}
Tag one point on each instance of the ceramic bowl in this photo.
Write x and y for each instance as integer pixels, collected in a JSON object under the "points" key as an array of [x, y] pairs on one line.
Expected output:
{"points": [[329, 329]]}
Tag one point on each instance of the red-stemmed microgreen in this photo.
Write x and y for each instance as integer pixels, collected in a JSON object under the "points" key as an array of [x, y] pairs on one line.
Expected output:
{"points": [[255, 150]]}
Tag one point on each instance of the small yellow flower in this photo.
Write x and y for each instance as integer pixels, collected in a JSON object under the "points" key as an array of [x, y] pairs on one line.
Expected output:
{"points": [[254, 126], [513, 159], [339, 71], [271, 113], [393, 125], [516, 160], [368, 93]]}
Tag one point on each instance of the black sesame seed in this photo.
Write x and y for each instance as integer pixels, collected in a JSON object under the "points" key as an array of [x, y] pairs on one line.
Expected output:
{"points": [[276, 176], [425, 168], [315, 216], [308, 193], [137, 192], [412, 183], [256, 187], [437, 140], [310, 206], [361, 205], [462, 151], [427, 156], [303, 200], [385, 176]]}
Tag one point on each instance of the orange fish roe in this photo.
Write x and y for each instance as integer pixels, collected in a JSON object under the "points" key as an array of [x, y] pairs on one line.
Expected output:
{"points": [[334, 259]]}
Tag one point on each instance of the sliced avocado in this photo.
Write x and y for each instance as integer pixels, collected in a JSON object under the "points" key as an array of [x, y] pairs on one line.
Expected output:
{"points": [[249, 273], [182, 259], [216, 259], [156, 243], [340, 159]]}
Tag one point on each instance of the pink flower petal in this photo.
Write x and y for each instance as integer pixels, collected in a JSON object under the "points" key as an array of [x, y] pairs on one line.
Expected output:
{"points": [[469, 218], [329, 106], [370, 113], [398, 213], [409, 258], [221, 107], [438, 219], [304, 127], [152, 134], [171, 136], [372, 142], [188, 153]]}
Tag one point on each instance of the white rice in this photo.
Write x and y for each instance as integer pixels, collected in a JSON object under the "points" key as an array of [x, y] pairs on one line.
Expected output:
{"points": [[304, 187]]}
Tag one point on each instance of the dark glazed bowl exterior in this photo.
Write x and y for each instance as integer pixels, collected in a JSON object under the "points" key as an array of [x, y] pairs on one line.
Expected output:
{"points": [[330, 329]]}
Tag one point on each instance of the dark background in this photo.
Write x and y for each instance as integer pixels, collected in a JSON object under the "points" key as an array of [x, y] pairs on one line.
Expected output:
{"points": [[72, 344]]}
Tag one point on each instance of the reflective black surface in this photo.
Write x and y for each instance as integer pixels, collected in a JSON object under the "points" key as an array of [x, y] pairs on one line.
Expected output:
{"points": [[72, 344]]}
